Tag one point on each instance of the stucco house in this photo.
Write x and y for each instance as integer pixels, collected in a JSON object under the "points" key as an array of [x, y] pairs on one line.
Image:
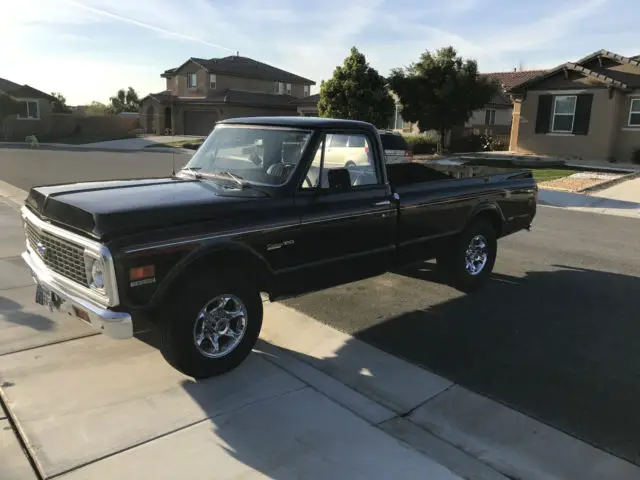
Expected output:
{"points": [[35, 115], [202, 91], [588, 109]]}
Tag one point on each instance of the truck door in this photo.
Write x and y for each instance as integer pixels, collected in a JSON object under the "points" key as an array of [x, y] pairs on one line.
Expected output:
{"points": [[347, 219]]}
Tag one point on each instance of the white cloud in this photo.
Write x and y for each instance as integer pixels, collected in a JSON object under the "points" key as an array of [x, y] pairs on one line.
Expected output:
{"points": [[53, 50]]}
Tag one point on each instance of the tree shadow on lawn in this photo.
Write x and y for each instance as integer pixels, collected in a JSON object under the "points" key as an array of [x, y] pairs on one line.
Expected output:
{"points": [[560, 346]]}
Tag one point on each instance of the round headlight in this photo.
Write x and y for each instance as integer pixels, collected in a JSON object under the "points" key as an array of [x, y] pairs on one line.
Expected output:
{"points": [[97, 275]]}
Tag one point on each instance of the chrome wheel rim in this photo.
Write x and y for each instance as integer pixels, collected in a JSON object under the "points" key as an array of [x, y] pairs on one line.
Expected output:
{"points": [[220, 326], [476, 256]]}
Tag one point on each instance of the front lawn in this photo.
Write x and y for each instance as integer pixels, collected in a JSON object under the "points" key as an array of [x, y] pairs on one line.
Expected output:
{"points": [[547, 174], [84, 139], [195, 143]]}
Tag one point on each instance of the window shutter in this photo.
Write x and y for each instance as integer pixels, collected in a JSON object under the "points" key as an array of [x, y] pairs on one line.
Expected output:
{"points": [[583, 114], [543, 117]]}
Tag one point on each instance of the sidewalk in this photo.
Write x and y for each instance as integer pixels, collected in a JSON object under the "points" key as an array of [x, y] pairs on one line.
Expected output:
{"points": [[622, 200], [311, 402]]}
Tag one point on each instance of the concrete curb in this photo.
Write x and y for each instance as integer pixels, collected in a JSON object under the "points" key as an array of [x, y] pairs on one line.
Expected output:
{"points": [[187, 151], [14, 195], [594, 188], [609, 183]]}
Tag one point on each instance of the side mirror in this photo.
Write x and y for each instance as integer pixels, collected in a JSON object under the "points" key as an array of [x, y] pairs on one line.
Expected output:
{"points": [[339, 179]]}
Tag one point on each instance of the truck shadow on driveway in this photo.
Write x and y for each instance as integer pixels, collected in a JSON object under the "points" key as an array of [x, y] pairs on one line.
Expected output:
{"points": [[19, 316], [560, 346]]}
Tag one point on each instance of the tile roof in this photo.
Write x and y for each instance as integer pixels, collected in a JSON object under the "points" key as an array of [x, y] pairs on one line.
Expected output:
{"points": [[245, 67], [237, 97], [17, 90], [512, 78], [310, 100], [8, 85]]}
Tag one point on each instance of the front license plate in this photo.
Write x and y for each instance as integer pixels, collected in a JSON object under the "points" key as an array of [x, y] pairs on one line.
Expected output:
{"points": [[44, 297], [41, 294]]}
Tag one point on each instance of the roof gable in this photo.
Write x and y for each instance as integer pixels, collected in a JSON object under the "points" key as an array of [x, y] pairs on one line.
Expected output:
{"points": [[597, 66], [7, 85]]}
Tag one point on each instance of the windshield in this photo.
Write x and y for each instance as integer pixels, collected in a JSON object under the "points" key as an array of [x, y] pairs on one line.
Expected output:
{"points": [[258, 155]]}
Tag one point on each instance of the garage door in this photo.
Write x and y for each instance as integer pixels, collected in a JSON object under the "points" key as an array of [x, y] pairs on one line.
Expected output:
{"points": [[198, 122]]}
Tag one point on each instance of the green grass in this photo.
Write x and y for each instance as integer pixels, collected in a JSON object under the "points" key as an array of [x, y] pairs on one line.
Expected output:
{"points": [[547, 174], [82, 139], [182, 143]]}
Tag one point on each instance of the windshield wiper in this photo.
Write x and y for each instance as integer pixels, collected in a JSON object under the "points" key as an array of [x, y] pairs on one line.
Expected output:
{"points": [[192, 170], [236, 178]]}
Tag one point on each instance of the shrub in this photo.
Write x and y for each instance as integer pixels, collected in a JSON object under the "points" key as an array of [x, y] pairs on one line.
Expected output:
{"points": [[467, 143], [422, 144], [491, 144], [635, 156]]}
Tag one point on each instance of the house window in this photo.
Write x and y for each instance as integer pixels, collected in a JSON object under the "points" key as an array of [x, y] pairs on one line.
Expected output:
{"points": [[306, 92], [634, 113], [288, 89], [191, 80], [29, 109], [212, 81], [489, 117], [564, 110]]}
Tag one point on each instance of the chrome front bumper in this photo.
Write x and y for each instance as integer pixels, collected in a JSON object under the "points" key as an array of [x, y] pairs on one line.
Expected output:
{"points": [[111, 323]]}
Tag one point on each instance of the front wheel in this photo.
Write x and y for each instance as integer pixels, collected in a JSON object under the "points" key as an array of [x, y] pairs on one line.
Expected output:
{"points": [[467, 263], [210, 326]]}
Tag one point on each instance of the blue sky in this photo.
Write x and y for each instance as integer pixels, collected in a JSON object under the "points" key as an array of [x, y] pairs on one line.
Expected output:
{"points": [[87, 49]]}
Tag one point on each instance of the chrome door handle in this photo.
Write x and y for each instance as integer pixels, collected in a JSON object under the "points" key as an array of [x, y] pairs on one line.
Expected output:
{"points": [[380, 204]]}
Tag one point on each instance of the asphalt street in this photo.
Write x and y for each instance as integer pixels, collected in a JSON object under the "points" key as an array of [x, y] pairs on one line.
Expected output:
{"points": [[554, 335]]}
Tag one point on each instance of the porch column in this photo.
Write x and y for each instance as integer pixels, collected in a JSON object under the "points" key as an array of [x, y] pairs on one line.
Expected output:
{"points": [[515, 125]]}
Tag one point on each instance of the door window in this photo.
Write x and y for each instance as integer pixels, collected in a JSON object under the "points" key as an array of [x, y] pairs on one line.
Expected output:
{"points": [[352, 152]]}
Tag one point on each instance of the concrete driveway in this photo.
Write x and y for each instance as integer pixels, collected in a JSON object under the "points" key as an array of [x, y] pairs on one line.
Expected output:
{"points": [[311, 402], [86, 406]]}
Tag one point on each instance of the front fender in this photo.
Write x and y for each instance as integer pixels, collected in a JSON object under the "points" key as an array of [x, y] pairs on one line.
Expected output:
{"points": [[219, 255]]}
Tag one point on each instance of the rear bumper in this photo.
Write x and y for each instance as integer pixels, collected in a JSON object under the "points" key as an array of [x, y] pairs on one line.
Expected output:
{"points": [[111, 323]]}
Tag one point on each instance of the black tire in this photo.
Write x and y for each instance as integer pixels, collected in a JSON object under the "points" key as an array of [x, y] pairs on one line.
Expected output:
{"points": [[452, 261], [180, 314], [350, 164]]}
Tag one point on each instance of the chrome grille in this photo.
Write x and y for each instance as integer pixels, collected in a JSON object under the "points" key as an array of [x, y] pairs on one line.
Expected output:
{"points": [[61, 256]]}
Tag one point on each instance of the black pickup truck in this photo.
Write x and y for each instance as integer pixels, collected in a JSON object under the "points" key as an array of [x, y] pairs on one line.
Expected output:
{"points": [[265, 206]]}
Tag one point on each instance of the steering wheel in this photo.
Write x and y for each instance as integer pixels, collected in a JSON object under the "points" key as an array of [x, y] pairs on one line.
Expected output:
{"points": [[255, 159]]}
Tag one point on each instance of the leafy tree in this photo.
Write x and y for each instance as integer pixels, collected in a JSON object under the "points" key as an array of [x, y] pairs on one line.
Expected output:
{"points": [[97, 109], [124, 101], [440, 91], [8, 108], [357, 92], [59, 105]]}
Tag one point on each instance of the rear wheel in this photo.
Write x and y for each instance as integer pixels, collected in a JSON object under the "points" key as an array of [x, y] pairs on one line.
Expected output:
{"points": [[468, 262], [210, 326]]}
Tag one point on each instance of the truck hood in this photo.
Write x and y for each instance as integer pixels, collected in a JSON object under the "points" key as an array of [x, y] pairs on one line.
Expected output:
{"points": [[107, 209]]}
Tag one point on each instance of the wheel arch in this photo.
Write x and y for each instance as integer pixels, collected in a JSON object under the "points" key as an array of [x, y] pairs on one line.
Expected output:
{"points": [[490, 212], [227, 255]]}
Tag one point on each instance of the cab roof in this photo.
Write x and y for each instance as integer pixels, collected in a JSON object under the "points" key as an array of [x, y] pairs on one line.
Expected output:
{"points": [[300, 122]]}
